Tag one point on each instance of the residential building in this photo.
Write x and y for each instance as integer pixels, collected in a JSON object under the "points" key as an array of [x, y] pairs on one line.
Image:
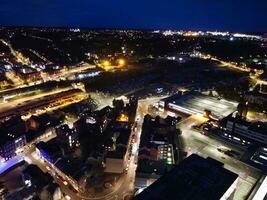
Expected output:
{"points": [[67, 135]]}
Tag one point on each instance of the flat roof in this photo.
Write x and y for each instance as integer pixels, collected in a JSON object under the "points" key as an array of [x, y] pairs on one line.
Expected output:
{"points": [[195, 178], [52, 147], [11, 130], [197, 103], [72, 167]]}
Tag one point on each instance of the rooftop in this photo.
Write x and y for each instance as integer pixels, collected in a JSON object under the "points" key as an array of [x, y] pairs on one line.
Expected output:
{"points": [[37, 176], [51, 147], [197, 103], [11, 130], [150, 167], [119, 153], [194, 178], [123, 137], [71, 167]]}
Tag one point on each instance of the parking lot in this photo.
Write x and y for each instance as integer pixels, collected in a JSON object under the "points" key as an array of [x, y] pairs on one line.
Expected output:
{"points": [[193, 141]]}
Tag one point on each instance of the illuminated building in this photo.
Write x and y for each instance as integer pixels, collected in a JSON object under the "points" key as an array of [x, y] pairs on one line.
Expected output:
{"points": [[193, 103], [67, 135], [260, 156], [123, 117], [49, 100], [12, 138], [51, 72], [95, 122], [10, 144], [256, 98], [28, 74], [252, 131]]}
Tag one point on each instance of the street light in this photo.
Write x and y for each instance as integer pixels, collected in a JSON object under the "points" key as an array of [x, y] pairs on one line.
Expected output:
{"points": [[121, 62], [106, 63]]}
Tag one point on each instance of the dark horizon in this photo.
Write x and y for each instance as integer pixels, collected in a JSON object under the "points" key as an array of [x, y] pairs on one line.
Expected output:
{"points": [[238, 16], [126, 29]]}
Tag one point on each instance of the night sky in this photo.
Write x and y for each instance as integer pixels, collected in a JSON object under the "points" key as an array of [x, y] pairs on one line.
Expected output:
{"points": [[230, 15]]}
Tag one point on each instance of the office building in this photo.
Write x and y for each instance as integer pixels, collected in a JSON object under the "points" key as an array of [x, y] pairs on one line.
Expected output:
{"points": [[67, 135], [251, 131], [12, 134]]}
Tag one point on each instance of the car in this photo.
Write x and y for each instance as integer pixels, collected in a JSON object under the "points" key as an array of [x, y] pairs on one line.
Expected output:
{"points": [[61, 180], [108, 185], [133, 138], [228, 153], [223, 149], [67, 197], [231, 153]]}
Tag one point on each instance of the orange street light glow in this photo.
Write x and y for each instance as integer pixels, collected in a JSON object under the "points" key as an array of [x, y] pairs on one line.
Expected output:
{"points": [[121, 62], [106, 63]]}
